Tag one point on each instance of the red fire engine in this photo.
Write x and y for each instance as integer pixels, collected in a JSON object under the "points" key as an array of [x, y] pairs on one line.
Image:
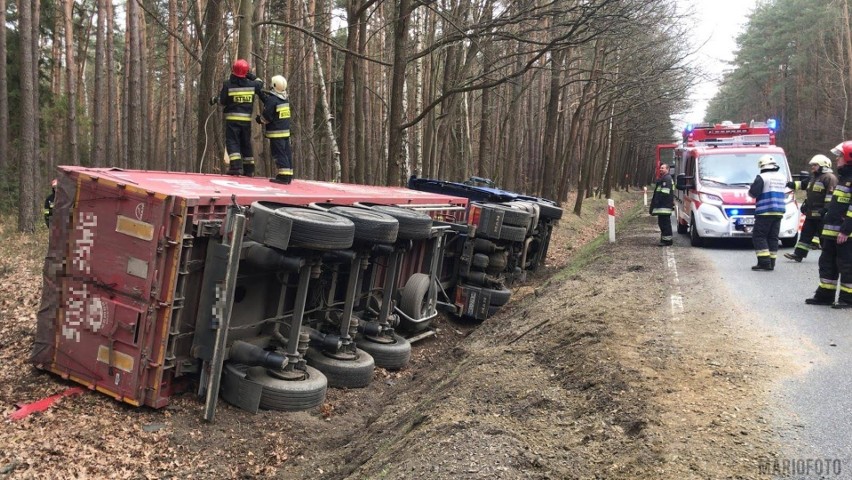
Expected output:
{"points": [[714, 166]]}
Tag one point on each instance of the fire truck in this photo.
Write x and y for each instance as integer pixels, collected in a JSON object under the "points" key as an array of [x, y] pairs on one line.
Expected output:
{"points": [[714, 166]]}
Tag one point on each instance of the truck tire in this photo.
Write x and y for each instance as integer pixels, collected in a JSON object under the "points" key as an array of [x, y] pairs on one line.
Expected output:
{"points": [[392, 355], [413, 301], [694, 237], [413, 225], [354, 373], [370, 225], [290, 395], [317, 229], [268, 228], [513, 233], [511, 215]]}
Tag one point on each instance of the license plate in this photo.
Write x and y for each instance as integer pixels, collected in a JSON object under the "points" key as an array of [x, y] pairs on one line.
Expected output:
{"points": [[745, 221]]}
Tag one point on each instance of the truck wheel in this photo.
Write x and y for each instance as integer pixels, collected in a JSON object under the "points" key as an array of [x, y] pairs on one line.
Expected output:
{"points": [[694, 238], [354, 373], [499, 297], [549, 210], [512, 215], [682, 228], [370, 226], [290, 395], [413, 225], [513, 234], [267, 227], [391, 355], [318, 230], [413, 301]]}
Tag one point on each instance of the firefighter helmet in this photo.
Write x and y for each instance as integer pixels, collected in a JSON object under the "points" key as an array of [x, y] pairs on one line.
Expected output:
{"points": [[54, 183], [279, 83], [766, 162], [846, 150], [821, 161], [240, 68]]}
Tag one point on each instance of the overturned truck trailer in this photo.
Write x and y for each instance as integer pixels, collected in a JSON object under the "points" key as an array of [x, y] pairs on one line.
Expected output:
{"points": [[156, 283]]}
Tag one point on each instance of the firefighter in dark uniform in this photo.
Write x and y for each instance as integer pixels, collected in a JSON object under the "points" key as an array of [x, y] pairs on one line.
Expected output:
{"points": [[276, 118], [819, 188], [835, 260], [662, 205], [237, 98], [769, 189]]}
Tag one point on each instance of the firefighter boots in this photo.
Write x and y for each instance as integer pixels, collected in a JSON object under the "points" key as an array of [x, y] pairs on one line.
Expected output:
{"points": [[815, 300], [794, 257], [248, 169], [235, 167], [764, 264], [282, 179]]}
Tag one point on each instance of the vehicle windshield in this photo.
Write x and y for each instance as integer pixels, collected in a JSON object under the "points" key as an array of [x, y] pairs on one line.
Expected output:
{"points": [[734, 169]]}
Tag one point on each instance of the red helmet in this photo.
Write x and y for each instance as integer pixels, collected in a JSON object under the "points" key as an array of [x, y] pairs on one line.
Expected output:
{"points": [[846, 150], [240, 68]]}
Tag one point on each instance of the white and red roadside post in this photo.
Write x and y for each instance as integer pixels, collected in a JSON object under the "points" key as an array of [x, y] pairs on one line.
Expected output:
{"points": [[645, 196], [610, 210]]}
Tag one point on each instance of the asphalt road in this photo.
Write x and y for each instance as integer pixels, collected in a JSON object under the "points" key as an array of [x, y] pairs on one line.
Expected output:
{"points": [[811, 410]]}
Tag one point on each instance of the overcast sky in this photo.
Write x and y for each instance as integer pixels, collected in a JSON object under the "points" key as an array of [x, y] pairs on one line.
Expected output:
{"points": [[718, 22]]}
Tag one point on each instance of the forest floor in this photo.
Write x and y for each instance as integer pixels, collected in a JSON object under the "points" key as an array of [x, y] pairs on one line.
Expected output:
{"points": [[585, 374]]}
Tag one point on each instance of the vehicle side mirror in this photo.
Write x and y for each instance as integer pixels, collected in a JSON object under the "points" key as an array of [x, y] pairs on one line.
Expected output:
{"points": [[684, 182]]}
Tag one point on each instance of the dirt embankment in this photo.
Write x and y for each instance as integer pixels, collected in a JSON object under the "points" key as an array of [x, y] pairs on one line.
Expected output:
{"points": [[586, 374]]}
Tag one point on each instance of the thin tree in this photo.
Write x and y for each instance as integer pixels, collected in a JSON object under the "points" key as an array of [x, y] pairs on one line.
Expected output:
{"points": [[73, 154], [4, 93], [29, 116]]}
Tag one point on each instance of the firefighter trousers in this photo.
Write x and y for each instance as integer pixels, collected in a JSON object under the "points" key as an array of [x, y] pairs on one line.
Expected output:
{"points": [[835, 262], [764, 236], [665, 223], [238, 145], [282, 154], [810, 229]]}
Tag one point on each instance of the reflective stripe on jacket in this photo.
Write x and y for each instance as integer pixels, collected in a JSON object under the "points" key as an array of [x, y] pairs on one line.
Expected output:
{"points": [[276, 112], [838, 215], [769, 188], [662, 203]]}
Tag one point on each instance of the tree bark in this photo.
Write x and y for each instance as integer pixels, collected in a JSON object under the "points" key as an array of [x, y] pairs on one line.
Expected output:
{"points": [[4, 94], [29, 115], [101, 97], [402, 10]]}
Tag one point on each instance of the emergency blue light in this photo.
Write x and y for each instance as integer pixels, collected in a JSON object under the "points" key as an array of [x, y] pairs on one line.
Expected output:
{"points": [[690, 127], [772, 124], [735, 212]]}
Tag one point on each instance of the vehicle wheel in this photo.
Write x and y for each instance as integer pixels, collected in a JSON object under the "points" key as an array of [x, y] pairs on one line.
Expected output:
{"points": [[479, 260], [392, 355], [370, 226], [413, 225], [290, 395], [267, 227], [317, 229], [694, 238], [413, 301], [549, 210], [512, 233], [682, 228], [788, 242], [355, 373]]}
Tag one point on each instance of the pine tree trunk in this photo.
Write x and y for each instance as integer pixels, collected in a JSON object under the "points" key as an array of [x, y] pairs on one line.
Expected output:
{"points": [[100, 98], [4, 94], [29, 115], [400, 46]]}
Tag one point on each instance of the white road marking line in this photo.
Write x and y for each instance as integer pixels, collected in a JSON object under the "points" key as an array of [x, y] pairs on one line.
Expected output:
{"points": [[676, 296]]}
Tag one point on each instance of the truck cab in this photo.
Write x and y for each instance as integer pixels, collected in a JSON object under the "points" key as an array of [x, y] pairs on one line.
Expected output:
{"points": [[714, 167]]}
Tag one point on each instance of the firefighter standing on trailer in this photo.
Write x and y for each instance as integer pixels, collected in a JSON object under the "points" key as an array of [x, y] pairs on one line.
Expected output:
{"points": [[237, 98], [769, 188], [819, 188], [49, 202], [835, 261], [276, 118], [662, 205]]}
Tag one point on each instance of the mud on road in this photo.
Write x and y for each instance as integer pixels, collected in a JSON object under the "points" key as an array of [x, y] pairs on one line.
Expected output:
{"points": [[590, 372]]}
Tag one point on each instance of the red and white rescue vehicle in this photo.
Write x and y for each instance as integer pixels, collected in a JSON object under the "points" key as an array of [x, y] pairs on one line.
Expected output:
{"points": [[714, 167]]}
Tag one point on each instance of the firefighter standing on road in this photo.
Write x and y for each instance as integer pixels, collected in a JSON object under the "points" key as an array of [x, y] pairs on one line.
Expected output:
{"points": [[819, 188], [237, 98], [835, 261], [276, 118], [769, 188], [662, 204]]}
